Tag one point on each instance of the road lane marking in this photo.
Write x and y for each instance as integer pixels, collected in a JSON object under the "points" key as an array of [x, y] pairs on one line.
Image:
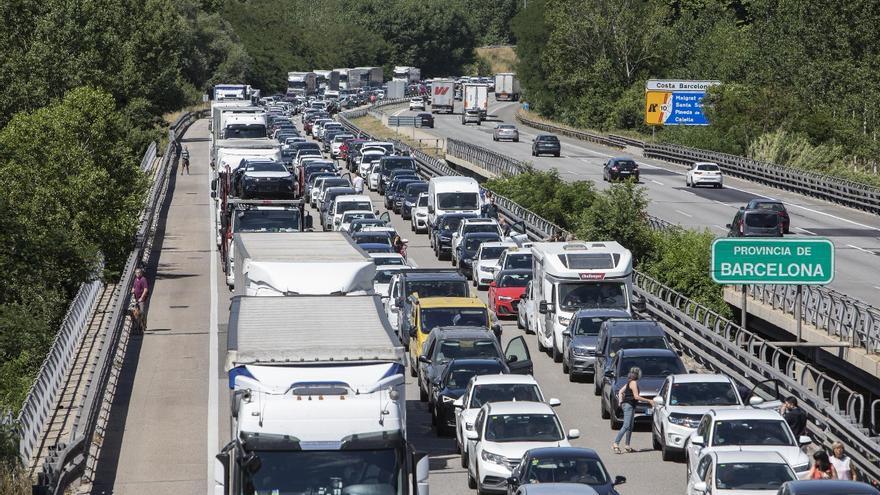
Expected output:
{"points": [[657, 182], [805, 231], [722, 229], [861, 249], [685, 214], [213, 413]]}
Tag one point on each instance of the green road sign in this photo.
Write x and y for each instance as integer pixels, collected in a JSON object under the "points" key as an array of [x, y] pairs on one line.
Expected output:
{"points": [[773, 261]]}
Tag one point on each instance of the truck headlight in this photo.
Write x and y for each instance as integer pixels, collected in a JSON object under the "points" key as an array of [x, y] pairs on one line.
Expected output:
{"points": [[493, 458]]}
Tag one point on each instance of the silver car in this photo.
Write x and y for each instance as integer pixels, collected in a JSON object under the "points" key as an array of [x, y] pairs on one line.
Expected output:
{"points": [[505, 131]]}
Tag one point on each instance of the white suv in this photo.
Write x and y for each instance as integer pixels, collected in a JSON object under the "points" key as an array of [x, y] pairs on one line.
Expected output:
{"points": [[417, 104], [485, 265], [503, 432], [704, 173]]}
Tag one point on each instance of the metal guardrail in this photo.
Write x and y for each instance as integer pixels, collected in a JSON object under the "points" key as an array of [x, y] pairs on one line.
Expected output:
{"points": [[403, 121], [624, 141], [837, 314], [496, 163], [149, 157], [69, 462], [566, 131]]}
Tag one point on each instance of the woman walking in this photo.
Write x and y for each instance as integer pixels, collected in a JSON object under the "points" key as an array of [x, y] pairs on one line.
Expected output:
{"points": [[841, 462], [628, 396], [822, 468]]}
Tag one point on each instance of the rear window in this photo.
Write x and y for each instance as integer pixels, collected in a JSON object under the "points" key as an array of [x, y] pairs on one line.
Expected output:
{"points": [[770, 206], [626, 164], [708, 168], [762, 220], [548, 139], [584, 261]]}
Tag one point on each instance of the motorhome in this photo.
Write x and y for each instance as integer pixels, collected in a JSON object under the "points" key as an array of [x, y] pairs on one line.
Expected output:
{"points": [[569, 276], [452, 194]]}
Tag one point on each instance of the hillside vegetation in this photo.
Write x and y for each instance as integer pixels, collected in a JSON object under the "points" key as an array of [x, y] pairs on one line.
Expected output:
{"points": [[498, 58]]}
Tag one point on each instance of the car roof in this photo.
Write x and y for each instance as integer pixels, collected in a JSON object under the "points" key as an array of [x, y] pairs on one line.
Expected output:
{"points": [[498, 244], [563, 451], [488, 235], [631, 326], [504, 379], [830, 487], [605, 312], [432, 276], [515, 271], [767, 456], [701, 378], [463, 332], [745, 413], [481, 220], [451, 302], [646, 352], [519, 407]]}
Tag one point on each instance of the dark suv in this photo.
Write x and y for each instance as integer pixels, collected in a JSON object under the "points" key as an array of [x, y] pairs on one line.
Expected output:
{"points": [[620, 169], [774, 206], [546, 144], [755, 223], [441, 233]]}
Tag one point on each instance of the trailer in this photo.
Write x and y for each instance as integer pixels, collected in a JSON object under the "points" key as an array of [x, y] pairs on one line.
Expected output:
{"points": [[442, 95], [506, 87], [328, 80], [301, 83], [407, 74], [475, 103]]}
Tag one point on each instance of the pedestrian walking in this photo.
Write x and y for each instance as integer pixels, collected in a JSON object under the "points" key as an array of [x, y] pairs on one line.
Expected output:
{"points": [[185, 161], [357, 182], [140, 293], [628, 396], [842, 462], [794, 416], [822, 468]]}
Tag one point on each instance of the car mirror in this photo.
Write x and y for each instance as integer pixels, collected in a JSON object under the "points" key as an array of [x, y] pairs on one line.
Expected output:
{"points": [[566, 333], [574, 433], [727, 225], [412, 332], [458, 403], [697, 440], [619, 480], [472, 435], [542, 307], [700, 487], [755, 401], [658, 401], [424, 359], [554, 402], [213, 194], [512, 359], [804, 440]]}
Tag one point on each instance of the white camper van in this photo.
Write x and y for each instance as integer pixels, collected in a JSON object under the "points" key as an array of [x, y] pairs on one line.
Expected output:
{"points": [[452, 194]]}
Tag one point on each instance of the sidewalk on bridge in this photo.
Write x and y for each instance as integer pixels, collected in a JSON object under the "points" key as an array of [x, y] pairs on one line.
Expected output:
{"points": [[156, 438]]}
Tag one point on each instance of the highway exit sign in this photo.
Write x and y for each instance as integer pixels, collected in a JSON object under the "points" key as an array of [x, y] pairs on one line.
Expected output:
{"points": [[773, 261]]}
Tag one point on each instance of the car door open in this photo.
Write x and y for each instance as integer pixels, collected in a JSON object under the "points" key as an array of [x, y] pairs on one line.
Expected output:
{"points": [[517, 356]]}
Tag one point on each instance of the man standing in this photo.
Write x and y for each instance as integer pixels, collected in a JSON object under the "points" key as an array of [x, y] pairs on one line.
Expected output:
{"points": [[141, 293], [357, 182], [491, 209], [794, 416]]}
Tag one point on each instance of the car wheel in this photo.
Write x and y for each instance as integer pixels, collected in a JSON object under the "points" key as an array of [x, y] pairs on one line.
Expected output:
{"points": [[596, 385], [666, 453], [541, 347], [655, 441], [519, 324], [565, 369], [603, 410], [464, 458], [556, 155], [557, 356], [412, 370], [516, 140], [614, 423], [453, 260]]}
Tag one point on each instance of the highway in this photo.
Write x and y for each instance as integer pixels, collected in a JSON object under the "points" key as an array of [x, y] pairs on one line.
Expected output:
{"points": [[171, 414], [856, 235]]}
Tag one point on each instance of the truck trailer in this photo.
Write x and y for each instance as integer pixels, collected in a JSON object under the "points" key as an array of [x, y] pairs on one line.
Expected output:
{"points": [[327, 79], [506, 87], [475, 103], [301, 83], [442, 95], [407, 74]]}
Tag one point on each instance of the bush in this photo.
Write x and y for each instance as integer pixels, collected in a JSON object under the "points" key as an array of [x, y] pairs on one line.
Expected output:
{"points": [[546, 194], [618, 214]]}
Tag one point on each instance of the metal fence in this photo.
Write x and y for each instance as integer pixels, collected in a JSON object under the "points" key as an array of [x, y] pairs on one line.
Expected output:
{"points": [[495, 163], [149, 157], [566, 131], [69, 460]]}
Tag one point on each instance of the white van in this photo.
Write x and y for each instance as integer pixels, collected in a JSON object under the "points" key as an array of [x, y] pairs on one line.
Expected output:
{"points": [[452, 194], [349, 202]]}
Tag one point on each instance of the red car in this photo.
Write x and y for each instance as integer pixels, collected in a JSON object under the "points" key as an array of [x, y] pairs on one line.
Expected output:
{"points": [[505, 290]]}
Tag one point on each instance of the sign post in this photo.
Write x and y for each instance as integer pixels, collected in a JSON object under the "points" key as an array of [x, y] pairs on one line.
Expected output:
{"points": [[676, 102], [799, 262]]}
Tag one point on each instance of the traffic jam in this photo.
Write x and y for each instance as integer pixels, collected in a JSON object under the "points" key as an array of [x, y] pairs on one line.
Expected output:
{"points": [[329, 313]]}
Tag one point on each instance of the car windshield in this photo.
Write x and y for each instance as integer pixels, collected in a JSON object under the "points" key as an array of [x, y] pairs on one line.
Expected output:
{"points": [[490, 228], [451, 223], [444, 317], [503, 392], [353, 205], [423, 201], [515, 280], [395, 163], [371, 158], [752, 475], [645, 342], [703, 394], [348, 217], [288, 472], [492, 252], [471, 244], [587, 325], [267, 221], [523, 428], [459, 376], [458, 201], [335, 183], [368, 238], [518, 261], [653, 365], [437, 288], [389, 261], [467, 349], [266, 167], [751, 432], [762, 220], [384, 276], [577, 295], [567, 469], [244, 131], [416, 189]]}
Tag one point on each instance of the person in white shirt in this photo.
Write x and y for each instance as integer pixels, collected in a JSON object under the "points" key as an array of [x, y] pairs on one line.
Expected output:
{"points": [[357, 183], [841, 462]]}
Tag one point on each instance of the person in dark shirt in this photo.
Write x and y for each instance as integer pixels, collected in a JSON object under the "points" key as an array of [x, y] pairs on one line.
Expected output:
{"points": [[794, 416]]}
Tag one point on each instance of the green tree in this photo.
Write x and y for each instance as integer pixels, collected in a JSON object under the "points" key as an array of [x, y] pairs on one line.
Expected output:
{"points": [[618, 214]]}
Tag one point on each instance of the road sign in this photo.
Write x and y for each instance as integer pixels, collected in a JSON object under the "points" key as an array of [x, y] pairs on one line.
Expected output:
{"points": [[773, 261], [673, 102]]}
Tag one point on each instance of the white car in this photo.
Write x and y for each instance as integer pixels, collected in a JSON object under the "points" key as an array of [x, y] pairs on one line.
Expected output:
{"points": [[316, 127], [483, 389], [367, 160], [747, 429], [503, 432], [485, 265], [416, 104], [704, 173], [337, 143], [418, 221], [739, 472], [348, 216], [515, 258], [681, 403], [472, 225], [346, 203], [388, 259], [525, 315], [373, 179]]}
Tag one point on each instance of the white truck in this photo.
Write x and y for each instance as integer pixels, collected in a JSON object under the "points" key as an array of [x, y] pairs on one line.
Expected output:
{"points": [[301, 263], [301, 83], [475, 103], [327, 79], [229, 92], [506, 87], [318, 402], [395, 90], [368, 77], [442, 95], [407, 74], [218, 108], [569, 276], [452, 194]]}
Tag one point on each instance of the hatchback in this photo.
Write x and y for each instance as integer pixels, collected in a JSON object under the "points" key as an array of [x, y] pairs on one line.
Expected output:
{"points": [[755, 223], [620, 169], [546, 144], [505, 131]]}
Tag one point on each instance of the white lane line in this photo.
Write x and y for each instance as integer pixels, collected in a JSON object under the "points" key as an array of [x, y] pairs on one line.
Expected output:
{"points": [[401, 111], [876, 287], [722, 229], [657, 182], [860, 249], [805, 231], [722, 203], [685, 214], [213, 413]]}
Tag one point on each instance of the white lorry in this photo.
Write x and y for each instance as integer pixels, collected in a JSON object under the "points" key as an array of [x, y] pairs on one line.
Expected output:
{"points": [[569, 276], [318, 402], [406, 74], [452, 194], [442, 95], [475, 103], [506, 87], [301, 263], [343, 78], [229, 92], [301, 83], [395, 90]]}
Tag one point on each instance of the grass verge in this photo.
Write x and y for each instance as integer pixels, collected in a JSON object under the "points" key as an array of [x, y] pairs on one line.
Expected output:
{"points": [[500, 58], [376, 128]]}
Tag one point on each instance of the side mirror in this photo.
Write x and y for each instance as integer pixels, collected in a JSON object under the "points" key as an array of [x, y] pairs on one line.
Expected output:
{"points": [[412, 332], [554, 402], [804, 440], [575, 433], [727, 225], [458, 403], [424, 359], [755, 401], [472, 435], [619, 480], [496, 328], [698, 440], [566, 333], [542, 307], [213, 194], [658, 401], [512, 359], [700, 487]]}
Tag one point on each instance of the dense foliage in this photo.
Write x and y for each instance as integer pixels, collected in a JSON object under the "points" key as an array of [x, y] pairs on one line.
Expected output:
{"points": [[804, 68]]}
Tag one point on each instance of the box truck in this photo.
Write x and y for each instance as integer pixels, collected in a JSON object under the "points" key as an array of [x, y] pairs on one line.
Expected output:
{"points": [[442, 95], [506, 86], [328, 80], [395, 90], [301, 83], [475, 103]]}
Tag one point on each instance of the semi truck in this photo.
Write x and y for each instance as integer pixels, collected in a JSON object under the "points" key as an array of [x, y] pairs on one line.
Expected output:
{"points": [[407, 74], [506, 87], [231, 92], [366, 77], [301, 83], [303, 263], [317, 400], [343, 78], [475, 103], [396, 89], [442, 95], [327, 79]]}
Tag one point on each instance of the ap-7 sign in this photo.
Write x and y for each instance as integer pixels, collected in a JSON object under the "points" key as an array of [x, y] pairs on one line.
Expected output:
{"points": [[773, 261]]}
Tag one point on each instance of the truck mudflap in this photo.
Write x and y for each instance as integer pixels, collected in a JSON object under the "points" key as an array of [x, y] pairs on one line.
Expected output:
{"points": [[420, 468]]}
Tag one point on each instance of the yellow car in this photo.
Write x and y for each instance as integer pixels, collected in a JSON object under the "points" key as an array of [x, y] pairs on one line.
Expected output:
{"points": [[432, 312]]}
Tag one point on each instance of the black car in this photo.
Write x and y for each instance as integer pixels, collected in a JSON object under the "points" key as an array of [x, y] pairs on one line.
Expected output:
{"points": [[755, 223], [827, 487], [389, 163], [624, 333], [656, 365], [774, 206], [441, 232], [410, 197], [546, 144], [447, 343], [263, 180], [468, 247], [620, 169], [395, 189], [451, 384], [579, 340], [563, 465], [425, 119]]}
